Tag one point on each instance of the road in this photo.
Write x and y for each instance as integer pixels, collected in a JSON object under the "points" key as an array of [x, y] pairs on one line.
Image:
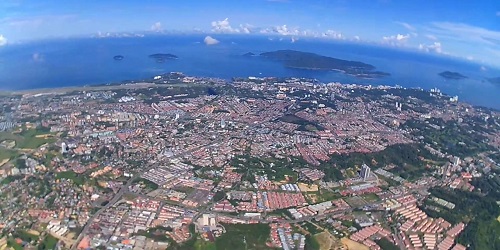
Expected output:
{"points": [[123, 190]]}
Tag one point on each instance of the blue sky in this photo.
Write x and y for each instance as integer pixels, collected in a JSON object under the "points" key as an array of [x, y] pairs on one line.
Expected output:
{"points": [[465, 29]]}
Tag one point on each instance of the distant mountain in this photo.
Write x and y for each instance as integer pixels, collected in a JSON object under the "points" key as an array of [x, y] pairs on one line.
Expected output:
{"points": [[452, 75], [310, 61], [163, 57], [495, 80], [118, 57]]}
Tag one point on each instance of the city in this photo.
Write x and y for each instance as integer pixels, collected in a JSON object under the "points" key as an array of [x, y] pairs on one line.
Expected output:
{"points": [[180, 162]]}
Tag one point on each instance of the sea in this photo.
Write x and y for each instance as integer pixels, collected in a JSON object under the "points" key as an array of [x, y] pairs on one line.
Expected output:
{"points": [[88, 61]]}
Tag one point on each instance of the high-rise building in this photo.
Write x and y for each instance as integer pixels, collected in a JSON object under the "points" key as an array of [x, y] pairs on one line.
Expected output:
{"points": [[64, 148], [222, 123], [365, 172]]}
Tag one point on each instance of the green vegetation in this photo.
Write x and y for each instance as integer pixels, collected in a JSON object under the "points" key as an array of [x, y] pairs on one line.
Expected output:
{"points": [[11, 242], [48, 243], [7, 154], [385, 244], [25, 236], [242, 236], [305, 125], [276, 169], [452, 138], [10, 179], [204, 245], [311, 228], [156, 233], [78, 179], [219, 195], [479, 211], [311, 243], [149, 184], [409, 160], [31, 141], [28, 138]]}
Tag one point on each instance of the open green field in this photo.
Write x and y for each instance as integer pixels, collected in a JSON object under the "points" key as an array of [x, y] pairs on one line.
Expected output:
{"points": [[7, 154], [29, 139], [243, 237]]}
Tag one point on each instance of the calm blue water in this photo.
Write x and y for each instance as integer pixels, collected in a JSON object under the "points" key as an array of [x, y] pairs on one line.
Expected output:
{"points": [[76, 62]]}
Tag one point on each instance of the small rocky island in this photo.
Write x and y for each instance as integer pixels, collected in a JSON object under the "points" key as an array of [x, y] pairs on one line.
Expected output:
{"points": [[310, 61], [160, 58], [118, 57], [452, 75]]}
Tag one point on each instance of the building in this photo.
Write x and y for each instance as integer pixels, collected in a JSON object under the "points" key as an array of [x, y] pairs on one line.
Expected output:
{"points": [[209, 220], [64, 148], [365, 172]]}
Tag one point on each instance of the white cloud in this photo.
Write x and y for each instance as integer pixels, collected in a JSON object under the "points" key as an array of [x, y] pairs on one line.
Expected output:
{"points": [[464, 32], [156, 27], [407, 26], [435, 47], [3, 40], [483, 68], [223, 27], [431, 37], [210, 40], [37, 57], [246, 28], [396, 40], [333, 34], [356, 38], [284, 30], [498, 13]]}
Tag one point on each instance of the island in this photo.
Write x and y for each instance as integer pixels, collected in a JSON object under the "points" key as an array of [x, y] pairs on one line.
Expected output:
{"points": [[494, 80], [452, 75], [118, 57], [311, 61], [160, 58], [249, 54]]}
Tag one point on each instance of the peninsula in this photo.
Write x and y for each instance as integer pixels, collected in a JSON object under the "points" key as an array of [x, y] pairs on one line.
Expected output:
{"points": [[311, 61]]}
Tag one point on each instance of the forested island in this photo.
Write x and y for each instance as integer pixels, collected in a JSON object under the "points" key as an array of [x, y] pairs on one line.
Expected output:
{"points": [[452, 75], [311, 61], [159, 57], [249, 54]]}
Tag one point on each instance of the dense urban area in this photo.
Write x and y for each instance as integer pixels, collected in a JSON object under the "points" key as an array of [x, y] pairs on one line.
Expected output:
{"points": [[179, 162]]}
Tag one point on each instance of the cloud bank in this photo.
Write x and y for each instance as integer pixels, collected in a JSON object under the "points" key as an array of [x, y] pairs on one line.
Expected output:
{"points": [[3, 40], [210, 40], [156, 27], [396, 40], [435, 47]]}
